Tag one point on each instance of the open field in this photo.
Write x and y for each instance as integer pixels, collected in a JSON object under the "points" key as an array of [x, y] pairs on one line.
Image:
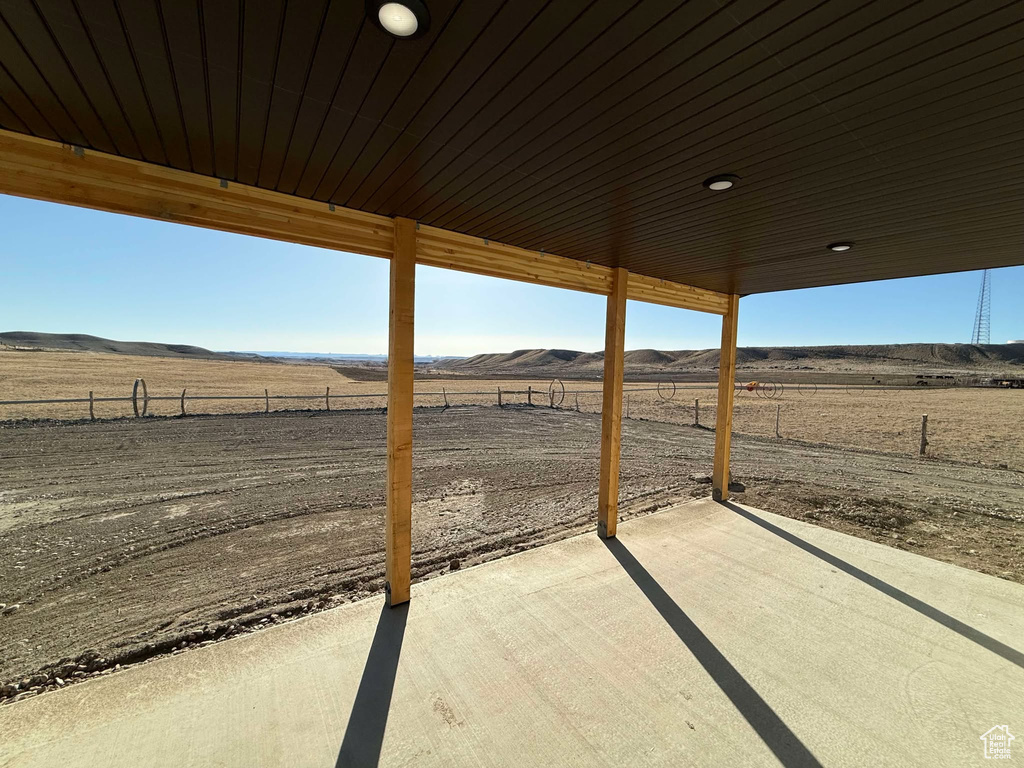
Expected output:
{"points": [[131, 538], [977, 425]]}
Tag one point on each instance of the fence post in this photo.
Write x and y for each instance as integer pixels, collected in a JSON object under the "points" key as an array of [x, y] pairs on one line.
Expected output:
{"points": [[92, 416], [627, 406], [778, 413], [924, 433], [266, 400], [183, 402], [499, 397], [327, 398], [445, 393], [529, 395], [696, 412], [551, 398], [577, 402]]}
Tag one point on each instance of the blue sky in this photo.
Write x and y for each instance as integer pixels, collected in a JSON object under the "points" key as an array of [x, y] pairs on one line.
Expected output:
{"points": [[71, 270]]}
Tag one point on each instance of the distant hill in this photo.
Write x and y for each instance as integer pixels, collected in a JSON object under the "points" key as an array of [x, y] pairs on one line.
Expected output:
{"points": [[876, 358], [80, 342], [778, 363]]}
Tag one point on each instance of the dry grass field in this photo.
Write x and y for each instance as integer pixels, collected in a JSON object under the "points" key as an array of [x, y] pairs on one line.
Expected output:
{"points": [[972, 425]]}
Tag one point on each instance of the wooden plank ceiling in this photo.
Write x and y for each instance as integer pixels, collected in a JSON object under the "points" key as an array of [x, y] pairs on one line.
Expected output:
{"points": [[580, 127]]}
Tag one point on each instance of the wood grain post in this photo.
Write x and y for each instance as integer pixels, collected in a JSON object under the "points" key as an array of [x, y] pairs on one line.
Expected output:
{"points": [[924, 434], [611, 406], [778, 416], [327, 398], [398, 526], [92, 415], [696, 412], [726, 389], [529, 395], [183, 402], [499, 397], [266, 401]]}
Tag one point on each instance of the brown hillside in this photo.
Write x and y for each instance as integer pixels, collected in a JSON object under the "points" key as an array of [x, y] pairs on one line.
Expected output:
{"points": [[81, 342], [889, 358]]}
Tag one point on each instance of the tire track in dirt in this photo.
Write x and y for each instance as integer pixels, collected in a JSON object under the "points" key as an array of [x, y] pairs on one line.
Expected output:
{"points": [[126, 539]]}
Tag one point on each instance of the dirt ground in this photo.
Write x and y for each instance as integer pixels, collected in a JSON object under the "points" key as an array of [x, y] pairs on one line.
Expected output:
{"points": [[973, 425], [122, 540]]}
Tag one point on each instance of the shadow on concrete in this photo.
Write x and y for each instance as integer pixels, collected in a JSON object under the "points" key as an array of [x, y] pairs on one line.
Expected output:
{"points": [[364, 734], [965, 630], [783, 743]]}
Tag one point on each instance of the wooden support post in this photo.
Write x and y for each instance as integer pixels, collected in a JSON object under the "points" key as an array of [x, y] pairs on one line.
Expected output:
{"points": [[924, 434], [778, 415], [726, 388], [398, 526], [183, 402], [696, 412], [529, 395], [499, 397], [266, 400], [327, 398], [577, 402], [611, 406], [444, 392], [92, 415]]}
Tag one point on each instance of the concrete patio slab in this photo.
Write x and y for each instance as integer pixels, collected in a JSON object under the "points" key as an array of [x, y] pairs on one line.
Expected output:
{"points": [[704, 635]]}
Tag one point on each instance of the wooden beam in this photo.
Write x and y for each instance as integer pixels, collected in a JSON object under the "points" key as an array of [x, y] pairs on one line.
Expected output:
{"points": [[611, 406], [398, 526], [451, 250], [655, 291], [47, 170], [726, 389]]}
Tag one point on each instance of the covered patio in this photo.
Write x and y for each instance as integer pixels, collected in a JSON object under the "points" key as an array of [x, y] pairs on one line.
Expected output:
{"points": [[709, 634], [680, 154]]}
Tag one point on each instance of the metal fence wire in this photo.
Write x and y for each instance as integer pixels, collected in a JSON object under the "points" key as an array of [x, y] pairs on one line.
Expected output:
{"points": [[667, 404]]}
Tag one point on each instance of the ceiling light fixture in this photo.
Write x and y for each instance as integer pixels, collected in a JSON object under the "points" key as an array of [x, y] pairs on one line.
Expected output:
{"points": [[840, 247], [406, 19], [721, 182]]}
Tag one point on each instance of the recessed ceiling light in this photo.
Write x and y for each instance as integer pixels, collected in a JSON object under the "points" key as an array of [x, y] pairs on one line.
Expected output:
{"points": [[721, 182], [839, 247], [405, 19]]}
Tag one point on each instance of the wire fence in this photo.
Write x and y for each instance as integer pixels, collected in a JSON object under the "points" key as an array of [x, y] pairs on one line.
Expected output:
{"points": [[971, 425], [553, 396]]}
